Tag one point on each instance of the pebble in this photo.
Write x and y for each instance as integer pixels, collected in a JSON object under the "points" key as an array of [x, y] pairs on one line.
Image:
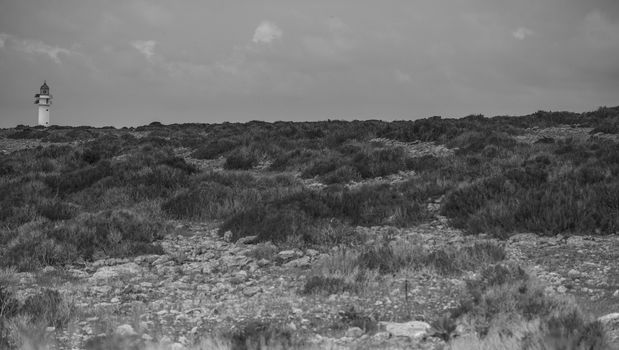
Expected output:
{"points": [[125, 330], [354, 332]]}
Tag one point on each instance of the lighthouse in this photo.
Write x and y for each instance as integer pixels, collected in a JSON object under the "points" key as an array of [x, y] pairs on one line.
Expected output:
{"points": [[43, 99]]}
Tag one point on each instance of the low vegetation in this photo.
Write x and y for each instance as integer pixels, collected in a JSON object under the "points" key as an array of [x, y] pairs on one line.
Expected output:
{"points": [[508, 309], [88, 193]]}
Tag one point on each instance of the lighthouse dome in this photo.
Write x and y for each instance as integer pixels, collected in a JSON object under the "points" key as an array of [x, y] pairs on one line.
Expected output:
{"points": [[44, 88]]}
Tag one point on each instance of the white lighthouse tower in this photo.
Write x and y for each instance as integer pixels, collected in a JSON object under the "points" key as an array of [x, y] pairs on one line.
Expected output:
{"points": [[43, 99]]}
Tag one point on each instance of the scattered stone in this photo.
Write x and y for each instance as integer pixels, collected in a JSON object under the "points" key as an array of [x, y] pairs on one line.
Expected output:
{"points": [[177, 346], [611, 325], [412, 329], [312, 252], [381, 336], [108, 272], [354, 332], [608, 318], [251, 291], [239, 277], [125, 330], [263, 262], [247, 240], [300, 262], [573, 273], [286, 254]]}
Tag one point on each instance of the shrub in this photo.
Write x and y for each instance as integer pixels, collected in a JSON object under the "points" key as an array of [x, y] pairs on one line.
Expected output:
{"points": [[241, 159], [506, 305], [353, 318], [256, 334], [79, 179], [326, 285], [9, 306], [114, 233], [215, 149], [379, 257], [49, 307], [55, 210]]}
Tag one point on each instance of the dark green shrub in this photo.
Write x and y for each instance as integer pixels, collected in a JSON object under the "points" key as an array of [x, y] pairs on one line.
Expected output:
{"points": [[353, 318], [255, 334], [29, 134], [80, 179], [343, 174], [9, 306], [241, 159], [215, 149], [48, 306], [55, 210], [379, 257], [326, 285]]}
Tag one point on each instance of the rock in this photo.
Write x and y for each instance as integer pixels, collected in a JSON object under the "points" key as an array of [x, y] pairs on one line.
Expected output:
{"points": [[263, 262], [524, 237], [300, 262], [177, 346], [609, 318], [108, 272], [575, 241], [354, 332], [251, 291], [239, 277], [247, 240], [381, 336], [616, 293], [161, 260], [286, 254], [78, 273], [412, 329], [611, 326], [125, 330], [312, 252]]}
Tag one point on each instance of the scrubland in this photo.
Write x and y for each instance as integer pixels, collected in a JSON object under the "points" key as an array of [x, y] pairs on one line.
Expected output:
{"points": [[85, 194]]}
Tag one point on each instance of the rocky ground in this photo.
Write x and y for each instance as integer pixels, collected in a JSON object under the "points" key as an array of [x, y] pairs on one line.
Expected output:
{"points": [[204, 284]]}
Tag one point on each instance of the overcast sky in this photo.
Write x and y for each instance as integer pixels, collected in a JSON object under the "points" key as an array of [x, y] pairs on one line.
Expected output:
{"points": [[131, 62]]}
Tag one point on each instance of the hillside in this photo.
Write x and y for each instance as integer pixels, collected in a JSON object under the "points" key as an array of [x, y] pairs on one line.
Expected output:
{"points": [[466, 233]]}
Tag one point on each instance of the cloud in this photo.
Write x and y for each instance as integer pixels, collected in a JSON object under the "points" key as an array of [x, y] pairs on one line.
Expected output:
{"points": [[600, 32], [151, 13], [333, 43], [267, 32], [402, 77], [3, 38], [146, 47], [522, 33], [34, 47]]}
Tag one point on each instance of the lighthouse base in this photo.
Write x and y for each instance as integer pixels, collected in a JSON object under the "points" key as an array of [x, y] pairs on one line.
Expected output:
{"points": [[44, 115]]}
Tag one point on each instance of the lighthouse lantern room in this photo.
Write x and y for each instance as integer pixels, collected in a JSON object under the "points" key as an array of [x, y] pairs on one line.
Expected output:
{"points": [[44, 100]]}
